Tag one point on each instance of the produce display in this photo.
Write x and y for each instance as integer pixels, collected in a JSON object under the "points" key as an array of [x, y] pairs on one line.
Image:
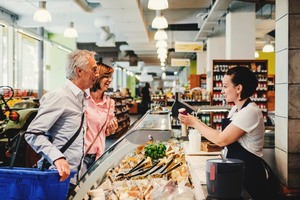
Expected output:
{"points": [[155, 170], [155, 151]]}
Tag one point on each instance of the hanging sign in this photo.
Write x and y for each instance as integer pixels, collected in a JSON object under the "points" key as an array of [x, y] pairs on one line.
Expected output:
{"points": [[188, 46], [176, 62]]}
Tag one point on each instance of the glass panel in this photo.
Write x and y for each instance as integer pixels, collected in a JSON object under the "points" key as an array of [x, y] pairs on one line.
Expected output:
{"points": [[138, 134]]}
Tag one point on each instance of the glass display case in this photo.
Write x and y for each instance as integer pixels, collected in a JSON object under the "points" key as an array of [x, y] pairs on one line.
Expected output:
{"points": [[153, 125]]}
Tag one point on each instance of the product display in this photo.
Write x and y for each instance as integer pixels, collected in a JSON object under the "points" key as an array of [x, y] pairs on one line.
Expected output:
{"points": [[149, 128], [142, 177]]}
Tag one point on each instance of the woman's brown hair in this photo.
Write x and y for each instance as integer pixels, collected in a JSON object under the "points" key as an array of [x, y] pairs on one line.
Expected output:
{"points": [[104, 71]]}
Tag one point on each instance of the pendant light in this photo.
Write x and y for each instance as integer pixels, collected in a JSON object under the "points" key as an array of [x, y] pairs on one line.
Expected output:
{"points": [[160, 35], [268, 48], [162, 54], [161, 43], [159, 22], [158, 4], [163, 60], [42, 14], [162, 50], [71, 32]]}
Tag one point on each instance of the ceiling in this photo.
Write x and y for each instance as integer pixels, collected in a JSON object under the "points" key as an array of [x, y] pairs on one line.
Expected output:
{"points": [[129, 22]]}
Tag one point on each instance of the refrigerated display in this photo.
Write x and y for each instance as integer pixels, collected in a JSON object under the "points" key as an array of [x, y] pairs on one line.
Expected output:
{"points": [[116, 172]]}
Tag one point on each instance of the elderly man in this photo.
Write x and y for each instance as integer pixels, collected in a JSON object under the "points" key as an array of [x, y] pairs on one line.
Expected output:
{"points": [[60, 116]]}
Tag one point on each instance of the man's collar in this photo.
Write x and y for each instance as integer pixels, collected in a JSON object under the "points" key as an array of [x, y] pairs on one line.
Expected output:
{"points": [[76, 90]]}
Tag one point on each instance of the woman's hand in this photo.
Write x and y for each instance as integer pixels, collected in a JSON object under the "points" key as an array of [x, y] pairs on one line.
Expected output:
{"points": [[112, 126], [188, 120]]}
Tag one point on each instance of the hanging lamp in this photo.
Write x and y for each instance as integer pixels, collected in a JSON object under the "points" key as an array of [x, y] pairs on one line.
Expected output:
{"points": [[158, 4], [42, 14], [71, 32], [160, 35], [268, 48], [161, 43], [159, 22]]}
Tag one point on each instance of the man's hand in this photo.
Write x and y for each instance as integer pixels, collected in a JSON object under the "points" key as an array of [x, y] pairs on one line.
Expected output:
{"points": [[63, 168]]}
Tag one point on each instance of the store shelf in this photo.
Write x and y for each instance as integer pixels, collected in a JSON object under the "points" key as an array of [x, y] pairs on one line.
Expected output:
{"points": [[197, 80], [122, 115]]}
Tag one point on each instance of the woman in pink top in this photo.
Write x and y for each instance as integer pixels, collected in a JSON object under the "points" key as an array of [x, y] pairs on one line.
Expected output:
{"points": [[100, 117]]}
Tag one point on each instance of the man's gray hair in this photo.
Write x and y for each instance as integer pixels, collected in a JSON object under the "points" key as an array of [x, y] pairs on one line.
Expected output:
{"points": [[78, 58]]}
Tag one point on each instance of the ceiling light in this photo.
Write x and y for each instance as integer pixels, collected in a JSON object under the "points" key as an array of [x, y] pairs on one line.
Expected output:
{"points": [[71, 32], [162, 50], [160, 35], [256, 54], [137, 77], [268, 48], [162, 56], [42, 14], [159, 22], [124, 47], [146, 78], [158, 4], [161, 43], [163, 60], [2, 24], [163, 68]]}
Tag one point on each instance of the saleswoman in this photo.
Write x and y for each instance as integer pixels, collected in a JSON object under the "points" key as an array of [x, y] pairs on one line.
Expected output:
{"points": [[243, 130]]}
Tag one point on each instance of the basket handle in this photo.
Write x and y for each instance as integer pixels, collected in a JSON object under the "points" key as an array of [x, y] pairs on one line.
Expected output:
{"points": [[14, 154]]}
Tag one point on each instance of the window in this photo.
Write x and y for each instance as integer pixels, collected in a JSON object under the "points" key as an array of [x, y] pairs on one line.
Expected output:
{"points": [[27, 63], [4, 77]]}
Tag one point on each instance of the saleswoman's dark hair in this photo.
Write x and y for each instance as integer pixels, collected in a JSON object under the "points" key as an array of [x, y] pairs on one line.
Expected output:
{"points": [[244, 76]]}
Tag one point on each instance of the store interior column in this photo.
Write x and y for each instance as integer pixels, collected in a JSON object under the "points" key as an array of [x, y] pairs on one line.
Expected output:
{"points": [[215, 50], [287, 84], [240, 31]]}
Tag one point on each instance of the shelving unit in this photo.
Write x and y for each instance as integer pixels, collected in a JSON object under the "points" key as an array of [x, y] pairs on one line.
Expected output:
{"points": [[122, 115], [198, 80], [271, 82], [159, 99], [259, 67], [203, 81], [271, 93]]}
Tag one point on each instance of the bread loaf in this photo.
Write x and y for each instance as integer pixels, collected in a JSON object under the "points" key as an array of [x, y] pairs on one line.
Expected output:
{"points": [[210, 147]]}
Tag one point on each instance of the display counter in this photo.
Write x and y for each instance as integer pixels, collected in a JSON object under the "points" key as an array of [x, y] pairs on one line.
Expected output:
{"points": [[154, 126]]}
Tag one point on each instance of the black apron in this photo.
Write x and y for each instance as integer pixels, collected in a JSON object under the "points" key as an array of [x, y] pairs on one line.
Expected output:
{"points": [[255, 181]]}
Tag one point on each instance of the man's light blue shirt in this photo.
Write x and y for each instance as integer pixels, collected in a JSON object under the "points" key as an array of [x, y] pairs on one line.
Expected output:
{"points": [[59, 116]]}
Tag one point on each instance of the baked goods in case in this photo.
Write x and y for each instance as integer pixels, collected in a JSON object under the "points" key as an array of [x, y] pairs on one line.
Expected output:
{"points": [[138, 176]]}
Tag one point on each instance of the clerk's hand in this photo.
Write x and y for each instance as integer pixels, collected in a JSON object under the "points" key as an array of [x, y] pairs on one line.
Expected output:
{"points": [[63, 168], [188, 120]]}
